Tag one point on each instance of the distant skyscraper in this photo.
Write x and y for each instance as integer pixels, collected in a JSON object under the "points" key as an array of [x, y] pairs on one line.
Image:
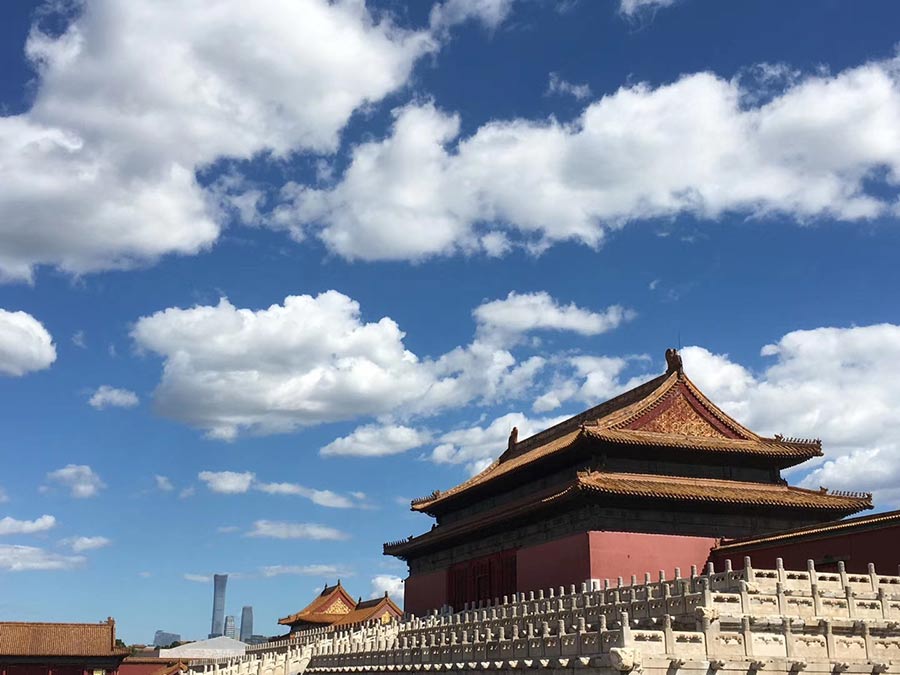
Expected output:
{"points": [[164, 639], [229, 626], [246, 623], [218, 615]]}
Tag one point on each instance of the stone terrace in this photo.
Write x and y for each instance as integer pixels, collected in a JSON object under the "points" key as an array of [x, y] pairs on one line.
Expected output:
{"points": [[733, 620]]}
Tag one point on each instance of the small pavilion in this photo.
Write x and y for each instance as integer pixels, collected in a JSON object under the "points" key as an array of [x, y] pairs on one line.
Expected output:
{"points": [[335, 607]]}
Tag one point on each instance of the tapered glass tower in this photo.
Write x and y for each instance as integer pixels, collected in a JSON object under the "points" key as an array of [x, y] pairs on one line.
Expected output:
{"points": [[218, 613]]}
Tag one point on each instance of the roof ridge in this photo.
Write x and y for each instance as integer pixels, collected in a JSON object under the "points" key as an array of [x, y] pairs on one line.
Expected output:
{"points": [[665, 478], [55, 623], [594, 413]]}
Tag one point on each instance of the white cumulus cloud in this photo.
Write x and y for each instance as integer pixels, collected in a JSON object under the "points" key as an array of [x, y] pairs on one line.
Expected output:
{"points": [[391, 584], [227, 482], [234, 482], [373, 440], [163, 483], [132, 98], [520, 313], [111, 397], [9, 525], [558, 85], [15, 558], [198, 578], [490, 13], [632, 8], [312, 360], [79, 479], [824, 146], [81, 544], [478, 446], [274, 529], [25, 345], [331, 571]]}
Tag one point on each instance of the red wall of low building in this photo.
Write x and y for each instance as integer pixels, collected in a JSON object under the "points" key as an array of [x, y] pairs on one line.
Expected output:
{"points": [[49, 669], [557, 563], [144, 666], [423, 592], [622, 554], [856, 549]]}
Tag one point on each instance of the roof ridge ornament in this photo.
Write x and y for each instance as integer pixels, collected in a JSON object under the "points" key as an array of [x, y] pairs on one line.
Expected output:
{"points": [[513, 438], [673, 361]]}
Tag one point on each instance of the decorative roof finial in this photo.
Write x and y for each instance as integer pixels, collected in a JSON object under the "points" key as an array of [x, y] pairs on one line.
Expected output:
{"points": [[513, 438], [673, 361]]}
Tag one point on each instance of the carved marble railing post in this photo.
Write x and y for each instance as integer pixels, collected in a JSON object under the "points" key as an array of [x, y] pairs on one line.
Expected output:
{"points": [[747, 636], [668, 635], [873, 576], [779, 595], [626, 639], [867, 639], [829, 638], [745, 597], [706, 592], [851, 601], [749, 576]]}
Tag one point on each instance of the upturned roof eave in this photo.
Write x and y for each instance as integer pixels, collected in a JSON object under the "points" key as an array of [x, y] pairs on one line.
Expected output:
{"points": [[817, 501]]}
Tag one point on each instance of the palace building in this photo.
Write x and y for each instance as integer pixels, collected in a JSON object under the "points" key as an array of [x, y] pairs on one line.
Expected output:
{"points": [[335, 607], [651, 479]]}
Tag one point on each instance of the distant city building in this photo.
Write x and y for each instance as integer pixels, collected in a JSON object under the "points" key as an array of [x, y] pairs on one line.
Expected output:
{"points": [[246, 624], [229, 626], [218, 614], [164, 639]]}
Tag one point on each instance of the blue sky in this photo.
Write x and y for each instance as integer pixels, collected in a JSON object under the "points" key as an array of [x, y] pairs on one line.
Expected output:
{"points": [[268, 275]]}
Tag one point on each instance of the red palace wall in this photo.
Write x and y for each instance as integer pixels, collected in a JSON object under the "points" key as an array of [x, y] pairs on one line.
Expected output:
{"points": [[621, 554], [557, 563], [425, 591], [857, 549], [563, 562]]}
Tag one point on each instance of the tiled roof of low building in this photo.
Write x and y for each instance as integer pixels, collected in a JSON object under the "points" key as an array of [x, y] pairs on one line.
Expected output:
{"points": [[329, 606], [875, 521], [59, 639], [367, 610]]}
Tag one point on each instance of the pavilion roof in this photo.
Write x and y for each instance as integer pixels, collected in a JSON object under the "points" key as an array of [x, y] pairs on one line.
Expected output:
{"points": [[668, 412], [366, 610], [18, 638], [331, 604], [619, 485]]}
